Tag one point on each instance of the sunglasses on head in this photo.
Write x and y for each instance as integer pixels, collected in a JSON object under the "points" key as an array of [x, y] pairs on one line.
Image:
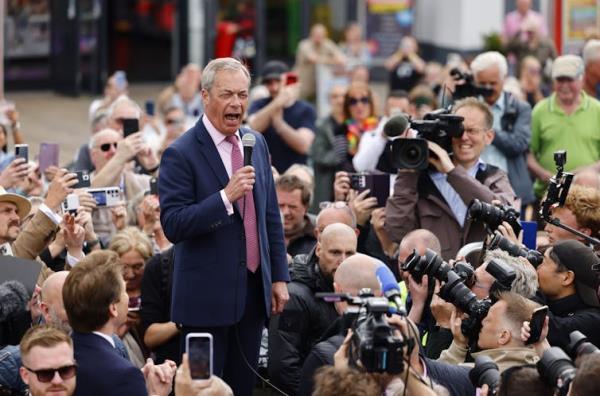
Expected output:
{"points": [[47, 375], [363, 100], [106, 146]]}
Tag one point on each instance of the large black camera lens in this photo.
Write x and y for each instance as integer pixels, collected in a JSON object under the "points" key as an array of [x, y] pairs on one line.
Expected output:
{"points": [[534, 257], [493, 216], [485, 372], [555, 365], [430, 264], [410, 154], [580, 345]]}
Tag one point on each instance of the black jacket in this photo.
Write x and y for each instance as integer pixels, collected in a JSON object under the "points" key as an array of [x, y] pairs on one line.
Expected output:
{"points": [[303, 321], [569, 314]]}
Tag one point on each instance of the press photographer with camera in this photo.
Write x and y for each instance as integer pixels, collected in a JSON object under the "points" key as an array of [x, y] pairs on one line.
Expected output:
{"points": [[569, 284], [437, 199], [512, 122]]}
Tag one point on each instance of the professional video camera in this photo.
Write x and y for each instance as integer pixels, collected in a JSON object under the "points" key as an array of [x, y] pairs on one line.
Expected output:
{"points": [[493, 215], [439, 126], [374, 342], [485, 372], [468, 88], [500, 242], [558, 189]]}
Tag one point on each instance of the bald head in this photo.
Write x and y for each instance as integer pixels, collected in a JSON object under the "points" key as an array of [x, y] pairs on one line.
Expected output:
{"points": [[357, 272], [418, 239], [53, 307], [337, 243], [331, 215]]}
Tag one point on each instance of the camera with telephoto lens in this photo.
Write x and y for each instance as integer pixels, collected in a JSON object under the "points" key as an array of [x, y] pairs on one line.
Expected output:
{"points": [[433, 265], [439, 127], [454, 289], [469, 87], [580, 345], [499, 241], [503, 274], [556, 365], [374, 343], [485, 372], [493, 215]]}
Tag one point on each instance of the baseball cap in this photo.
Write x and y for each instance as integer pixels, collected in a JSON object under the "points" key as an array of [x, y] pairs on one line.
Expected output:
{"points": [[22, 203], [580, 259], [567, 66], [272, 70]]}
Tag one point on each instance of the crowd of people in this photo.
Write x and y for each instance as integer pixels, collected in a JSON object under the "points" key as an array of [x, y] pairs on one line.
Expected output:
{"points": [[229, 210]]}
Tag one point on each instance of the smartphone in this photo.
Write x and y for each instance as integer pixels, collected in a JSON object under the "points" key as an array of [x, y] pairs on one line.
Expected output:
{"points": [[150, 107], [378, 184], [70, 204], [83, 179], [154, 186], [536, 324], [130, 126], [529, 233], [22, 151], [199, 348], [48, 155], [291, 78]]}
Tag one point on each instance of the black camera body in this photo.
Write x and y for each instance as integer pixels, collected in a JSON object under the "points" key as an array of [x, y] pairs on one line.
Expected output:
{"points": [[439, 127], [374, 342], [485, 372], [503, 274], [493, 215], [469, 87], [534, 257], [558, 187]]}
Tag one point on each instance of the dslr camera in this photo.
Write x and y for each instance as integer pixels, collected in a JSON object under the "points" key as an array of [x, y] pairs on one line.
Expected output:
{"points": [[492, 216], [485, 372], [469, 87], [374, 342], [498, 241], [439, 126], [558, 187]]}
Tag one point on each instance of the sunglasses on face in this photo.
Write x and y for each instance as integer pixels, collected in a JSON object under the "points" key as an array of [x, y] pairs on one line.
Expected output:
{"points": [[355, 101], [173, 121], [106, 146], [47, 375]]}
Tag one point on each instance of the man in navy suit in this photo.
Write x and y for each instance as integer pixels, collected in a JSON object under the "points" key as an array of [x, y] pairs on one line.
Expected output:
{"points": [[96, 303], [230, 268]]}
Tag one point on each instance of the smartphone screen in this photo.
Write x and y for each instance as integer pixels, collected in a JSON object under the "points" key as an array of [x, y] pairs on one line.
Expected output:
{"points": [[99, 197], [22, 151], [48, 155], [130, 126], [199, 348], [536, 324]]}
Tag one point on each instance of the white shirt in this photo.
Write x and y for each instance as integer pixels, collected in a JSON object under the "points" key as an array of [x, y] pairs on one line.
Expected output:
{"points": [[106, 337]]}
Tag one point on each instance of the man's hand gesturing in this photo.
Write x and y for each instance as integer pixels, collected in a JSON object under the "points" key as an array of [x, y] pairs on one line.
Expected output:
{"points": [[240, 183]]}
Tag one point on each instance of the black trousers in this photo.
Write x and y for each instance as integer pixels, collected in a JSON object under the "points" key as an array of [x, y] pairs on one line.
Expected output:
{"points": [[228, 360]]}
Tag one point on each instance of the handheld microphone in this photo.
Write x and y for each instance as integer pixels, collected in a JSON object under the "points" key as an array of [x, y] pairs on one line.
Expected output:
{"points": [[390, 288], [396, 125], [248, 141]]}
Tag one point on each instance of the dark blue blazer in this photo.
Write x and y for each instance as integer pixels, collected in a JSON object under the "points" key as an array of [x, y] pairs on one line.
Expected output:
{"points": [[209, 278], [102, 371]]}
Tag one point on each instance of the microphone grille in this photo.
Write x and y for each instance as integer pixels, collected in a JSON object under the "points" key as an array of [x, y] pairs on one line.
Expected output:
{"points": [[248, 140]]}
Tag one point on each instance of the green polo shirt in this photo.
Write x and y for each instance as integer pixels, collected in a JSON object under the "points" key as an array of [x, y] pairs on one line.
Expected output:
{"points": [[578, 133]]}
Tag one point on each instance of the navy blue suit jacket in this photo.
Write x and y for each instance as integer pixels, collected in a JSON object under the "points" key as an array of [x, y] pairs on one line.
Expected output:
{"points": [[209, 278], [102, 371]]}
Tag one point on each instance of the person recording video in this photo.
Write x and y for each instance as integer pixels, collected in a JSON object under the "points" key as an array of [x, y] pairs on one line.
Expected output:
{"points": [[436, 199]]}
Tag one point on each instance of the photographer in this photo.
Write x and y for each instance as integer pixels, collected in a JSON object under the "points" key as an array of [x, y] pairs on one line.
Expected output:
{"points": [[580, 212], [500, 334], [437, 199], [569, 284], [512, 122]]}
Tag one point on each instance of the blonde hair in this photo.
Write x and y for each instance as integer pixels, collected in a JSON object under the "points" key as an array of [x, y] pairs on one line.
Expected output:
{"points": [[584, 203], [131, 238]]}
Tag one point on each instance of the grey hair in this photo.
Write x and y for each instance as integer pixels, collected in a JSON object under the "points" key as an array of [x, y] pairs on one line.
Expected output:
{"points": [[124, 100], [488, 59], [591, 51], [219, 64], [526, 282], [94, 138]]}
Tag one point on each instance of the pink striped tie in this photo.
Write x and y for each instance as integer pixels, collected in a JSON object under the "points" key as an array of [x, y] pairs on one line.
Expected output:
{"points": [[250, 226]]}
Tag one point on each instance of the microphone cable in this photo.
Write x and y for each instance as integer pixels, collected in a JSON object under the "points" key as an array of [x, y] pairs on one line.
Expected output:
{"points": [[236, 329]]}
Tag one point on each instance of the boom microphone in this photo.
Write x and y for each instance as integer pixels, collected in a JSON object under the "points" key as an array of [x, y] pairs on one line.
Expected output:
{"points": [[396, 125], [390, 288], [248, 141]]}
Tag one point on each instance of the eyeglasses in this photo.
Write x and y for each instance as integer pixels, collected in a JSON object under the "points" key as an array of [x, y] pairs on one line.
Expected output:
{"points": [[174, 121], [106, 146], [47, 375], [355, 101], [473, 131], [329, 204]]}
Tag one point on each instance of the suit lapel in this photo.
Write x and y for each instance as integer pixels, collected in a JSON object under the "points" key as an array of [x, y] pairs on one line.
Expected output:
{"points": [[209, 150]]}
